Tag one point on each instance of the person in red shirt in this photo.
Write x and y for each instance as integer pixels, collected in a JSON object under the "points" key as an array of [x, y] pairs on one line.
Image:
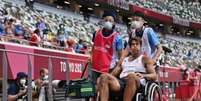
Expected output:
{"points": [[107, 46], [35, 38], [71, 44]]}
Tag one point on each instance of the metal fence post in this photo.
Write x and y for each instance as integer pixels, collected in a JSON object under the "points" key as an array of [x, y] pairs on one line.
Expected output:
{"points": [[50, 95], [5, 76], [29, 79], [67, 75], [67, 72]]}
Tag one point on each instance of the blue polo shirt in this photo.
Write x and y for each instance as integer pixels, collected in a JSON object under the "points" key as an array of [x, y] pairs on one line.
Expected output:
{"points": [[153, 38]]}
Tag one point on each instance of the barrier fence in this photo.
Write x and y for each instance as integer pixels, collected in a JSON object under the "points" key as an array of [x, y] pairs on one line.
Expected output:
{"points": [[32, 70], [66, 66]]}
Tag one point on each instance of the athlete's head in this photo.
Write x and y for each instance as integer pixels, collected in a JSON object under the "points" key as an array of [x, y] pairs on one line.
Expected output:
{"points": [[135, 45]]}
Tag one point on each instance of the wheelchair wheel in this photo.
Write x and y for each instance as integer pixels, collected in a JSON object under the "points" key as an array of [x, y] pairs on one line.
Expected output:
{"points": [[155, 94], [139, 97], [148, 87], [87, 99]]}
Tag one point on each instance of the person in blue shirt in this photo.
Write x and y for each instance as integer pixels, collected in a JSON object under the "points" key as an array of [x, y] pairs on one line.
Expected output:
{"points": [[19, 30], [62, 35], [150, 42], [78, 46], [18, 89], [2, 31]]}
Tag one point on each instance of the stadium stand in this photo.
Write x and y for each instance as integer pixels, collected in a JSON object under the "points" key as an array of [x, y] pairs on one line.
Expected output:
{"points": [[185, 9], [47, 22], [40, 27], [183, 49]]}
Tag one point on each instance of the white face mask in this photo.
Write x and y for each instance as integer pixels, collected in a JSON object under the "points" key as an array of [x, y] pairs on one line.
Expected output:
{"points": [[45, 77], [23, 81], [136, 24], [108, 25], [62, 26]]}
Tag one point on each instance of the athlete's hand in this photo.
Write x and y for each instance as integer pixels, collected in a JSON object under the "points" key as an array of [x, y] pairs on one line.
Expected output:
{"points": [[141, 76], [119, 62]]}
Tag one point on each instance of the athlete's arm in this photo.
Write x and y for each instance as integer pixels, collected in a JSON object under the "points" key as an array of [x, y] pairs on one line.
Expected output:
{"points": [[117, 70], [148, 63]]}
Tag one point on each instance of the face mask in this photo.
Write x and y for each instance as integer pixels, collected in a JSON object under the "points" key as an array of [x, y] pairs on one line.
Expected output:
{"points": [[136, 24], [45, 77], [62, 26], [23, 81], [108, 25]]}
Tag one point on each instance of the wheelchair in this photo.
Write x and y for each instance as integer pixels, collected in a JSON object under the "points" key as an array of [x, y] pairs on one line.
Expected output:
{"points": [[150, 92]]}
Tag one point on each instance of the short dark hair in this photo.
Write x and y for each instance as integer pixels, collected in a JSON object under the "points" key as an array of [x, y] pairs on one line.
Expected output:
{"points": [[21, 75], [37, 31], [110, 13], [137, 39]]}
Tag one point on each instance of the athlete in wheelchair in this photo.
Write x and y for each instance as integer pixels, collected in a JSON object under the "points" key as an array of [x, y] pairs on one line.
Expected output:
{"points": [[134, 79]]}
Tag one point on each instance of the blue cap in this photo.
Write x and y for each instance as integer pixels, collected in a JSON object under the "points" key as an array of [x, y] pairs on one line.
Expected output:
{"points": [[110, 13], [21, 75]]}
